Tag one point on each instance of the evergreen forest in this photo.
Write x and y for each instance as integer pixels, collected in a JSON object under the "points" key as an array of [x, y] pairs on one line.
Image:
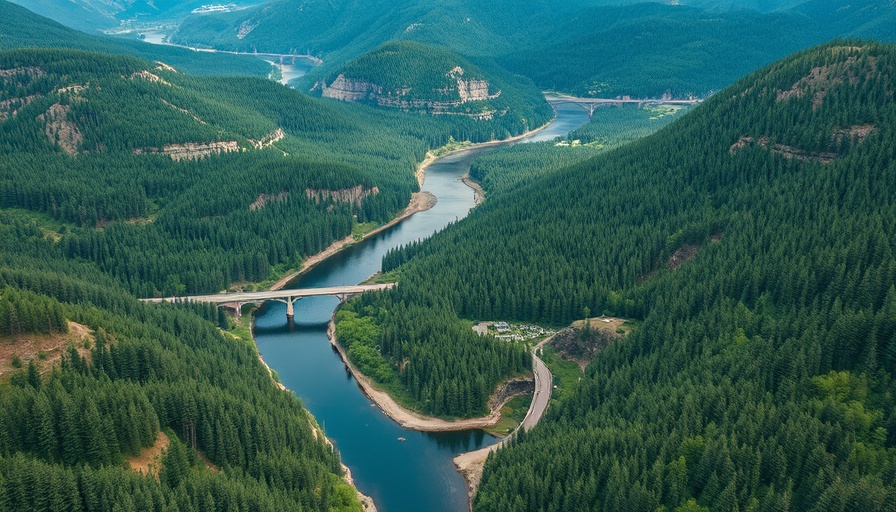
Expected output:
{"points": [[588, 47], [133, 197], [75, 416], [748, 243], [760, 372]]}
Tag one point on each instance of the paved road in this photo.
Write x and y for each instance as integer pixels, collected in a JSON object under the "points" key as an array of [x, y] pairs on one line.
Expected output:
{"points": [[542, 396], [223, 298], [543, 386]]}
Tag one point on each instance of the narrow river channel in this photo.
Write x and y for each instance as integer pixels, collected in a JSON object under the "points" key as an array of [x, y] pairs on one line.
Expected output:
{"points": [[402, 470]]}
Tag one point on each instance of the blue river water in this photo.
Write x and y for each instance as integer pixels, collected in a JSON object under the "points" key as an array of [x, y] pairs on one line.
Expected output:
{"points": [[402, 470]]}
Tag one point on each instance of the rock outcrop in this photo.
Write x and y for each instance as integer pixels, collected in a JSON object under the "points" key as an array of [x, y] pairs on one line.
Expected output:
{"points": [[350, 90], [353, 195], [60, 130], [192, 150], [461, 91], [268, 139]]}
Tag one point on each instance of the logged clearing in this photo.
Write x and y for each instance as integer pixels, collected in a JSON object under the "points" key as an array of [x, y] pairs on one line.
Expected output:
{"points": [[43, 349], [149, 462]]}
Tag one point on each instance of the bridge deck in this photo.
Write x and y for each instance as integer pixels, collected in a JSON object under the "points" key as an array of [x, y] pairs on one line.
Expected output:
{"points": [[223, 298]]}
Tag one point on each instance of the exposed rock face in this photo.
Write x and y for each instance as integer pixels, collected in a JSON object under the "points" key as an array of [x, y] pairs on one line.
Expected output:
{"points": [[353, 195], [788, 152], [350, 90], [472, 89], [264, 199], [354, 90], [822, 78], [268, 139], [31, 71], [10, 106], [149, 77], [510, 389], [60, 130], [192, 150]]}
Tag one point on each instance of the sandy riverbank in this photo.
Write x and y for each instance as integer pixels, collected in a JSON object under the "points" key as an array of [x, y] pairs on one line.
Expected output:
{"points": [[420, 202], [404, 417], [367, 504], [471, 464]]}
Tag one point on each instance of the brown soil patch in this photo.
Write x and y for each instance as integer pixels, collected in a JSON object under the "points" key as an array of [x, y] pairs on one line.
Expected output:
{"points": [[60, 130], [682, 255], [149, 462], [44, 349], [820, 79], [716, 237], [571, 345]]}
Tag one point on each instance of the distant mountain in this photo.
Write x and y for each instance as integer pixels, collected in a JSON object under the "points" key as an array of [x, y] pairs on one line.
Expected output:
{"points": [[577, 46], [92, 15], [416, 77], [23, 28]]}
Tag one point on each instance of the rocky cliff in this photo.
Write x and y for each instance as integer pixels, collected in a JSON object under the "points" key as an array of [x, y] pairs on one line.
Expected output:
{"points": [[408, 98]]}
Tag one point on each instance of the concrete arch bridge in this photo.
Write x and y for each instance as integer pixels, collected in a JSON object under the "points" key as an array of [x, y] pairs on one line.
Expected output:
{"points": [[236, 300]]}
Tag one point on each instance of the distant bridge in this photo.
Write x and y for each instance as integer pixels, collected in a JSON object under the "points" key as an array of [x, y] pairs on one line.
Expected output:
{"points": [[591, 104], [288, 297]]}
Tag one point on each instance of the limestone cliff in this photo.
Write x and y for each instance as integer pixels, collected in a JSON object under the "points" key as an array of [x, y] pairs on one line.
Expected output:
{"points": [[353, 195], [437, 101]]}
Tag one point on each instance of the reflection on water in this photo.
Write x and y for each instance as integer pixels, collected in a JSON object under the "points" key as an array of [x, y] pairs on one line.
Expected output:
{"points": [[402, 470]]}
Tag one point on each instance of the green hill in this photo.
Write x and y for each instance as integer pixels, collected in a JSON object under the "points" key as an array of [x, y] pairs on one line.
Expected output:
{"points": [[750, 245], [120, 154], [120, 176], [414, 77], [642, 50], [23, 28]]}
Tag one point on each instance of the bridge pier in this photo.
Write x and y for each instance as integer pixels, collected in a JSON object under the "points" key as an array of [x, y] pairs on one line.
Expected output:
{"points": [[290, 305]]}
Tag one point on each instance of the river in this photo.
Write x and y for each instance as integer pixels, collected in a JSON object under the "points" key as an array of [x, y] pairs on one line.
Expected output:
{"points": [[416, 473]]}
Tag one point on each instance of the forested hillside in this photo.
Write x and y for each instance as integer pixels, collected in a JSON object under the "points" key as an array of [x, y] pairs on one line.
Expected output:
{"points": [[510, 168], [647, 50], [414, 77], [447, 370], [760, 375], [23, 28], [118, 156], [138, 378], [643, 50]]}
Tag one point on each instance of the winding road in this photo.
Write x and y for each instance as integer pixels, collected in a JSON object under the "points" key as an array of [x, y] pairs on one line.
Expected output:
{"points": [[543, 386], [470, 464]]}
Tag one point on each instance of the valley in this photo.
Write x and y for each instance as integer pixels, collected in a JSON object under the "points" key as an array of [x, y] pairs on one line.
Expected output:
{"points": [[668, 281]]}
